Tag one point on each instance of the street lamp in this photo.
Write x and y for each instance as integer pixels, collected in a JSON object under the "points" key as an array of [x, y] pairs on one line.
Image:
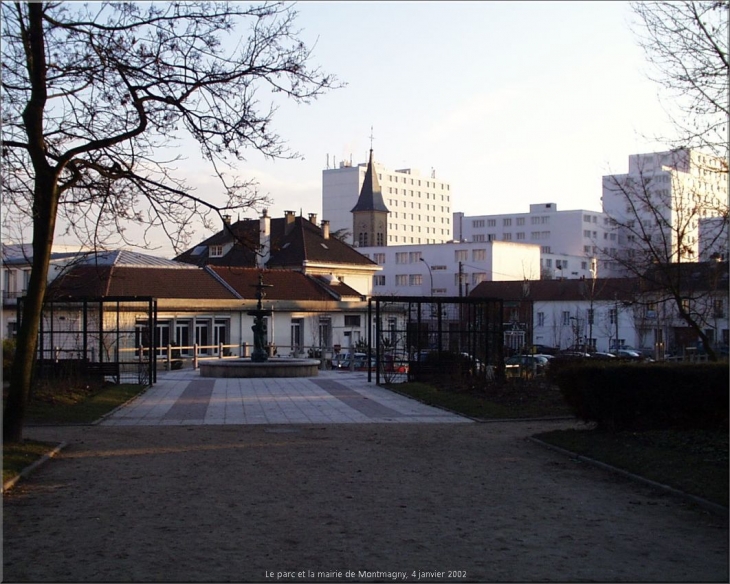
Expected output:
{"points": [[430, 274]]}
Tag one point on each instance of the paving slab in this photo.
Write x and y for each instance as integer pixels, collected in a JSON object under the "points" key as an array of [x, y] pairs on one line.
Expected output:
{"points": [[333, 397]]}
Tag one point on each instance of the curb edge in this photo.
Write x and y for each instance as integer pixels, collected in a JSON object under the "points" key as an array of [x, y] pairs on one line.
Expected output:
{"points": [[704, 503], [10, 483]]}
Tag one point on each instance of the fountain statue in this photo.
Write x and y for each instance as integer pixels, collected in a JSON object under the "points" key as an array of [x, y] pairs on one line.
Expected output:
{"points": [[259, 365], [259, 354]]}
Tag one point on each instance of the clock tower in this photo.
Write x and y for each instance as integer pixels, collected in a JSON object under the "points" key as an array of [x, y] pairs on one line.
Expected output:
{"points": [[370, 215]]}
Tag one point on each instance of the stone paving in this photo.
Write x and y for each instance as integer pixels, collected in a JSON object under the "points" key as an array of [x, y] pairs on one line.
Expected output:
{"points": [[333, 397]]}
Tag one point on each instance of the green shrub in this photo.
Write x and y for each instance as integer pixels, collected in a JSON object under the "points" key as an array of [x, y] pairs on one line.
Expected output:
{"points": [[646, 396]]}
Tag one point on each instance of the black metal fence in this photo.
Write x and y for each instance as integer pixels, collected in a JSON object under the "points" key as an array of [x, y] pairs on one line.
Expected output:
{"points": [[105, 339], [415, 338]]}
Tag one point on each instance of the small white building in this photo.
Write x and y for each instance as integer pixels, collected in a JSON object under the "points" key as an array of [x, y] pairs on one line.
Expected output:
{"points": [[425, 270]]}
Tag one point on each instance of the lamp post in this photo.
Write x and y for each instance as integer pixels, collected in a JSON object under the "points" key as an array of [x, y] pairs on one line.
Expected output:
{"points": [[430, 275]]}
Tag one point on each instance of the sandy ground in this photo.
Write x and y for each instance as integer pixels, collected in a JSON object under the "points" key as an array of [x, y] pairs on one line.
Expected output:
{"points": [[466, 502]]}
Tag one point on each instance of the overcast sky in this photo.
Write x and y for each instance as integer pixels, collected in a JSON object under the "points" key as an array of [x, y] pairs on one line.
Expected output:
{"points": [[513, 103]]}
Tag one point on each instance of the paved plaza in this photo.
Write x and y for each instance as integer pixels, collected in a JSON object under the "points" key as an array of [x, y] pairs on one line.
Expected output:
{"points": [[333, 397]]}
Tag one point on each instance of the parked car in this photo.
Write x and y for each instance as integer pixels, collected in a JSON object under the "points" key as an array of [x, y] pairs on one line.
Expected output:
{"points": [[525, 366], [342, 361], [395, 363], [629, 354], [603, 356]]}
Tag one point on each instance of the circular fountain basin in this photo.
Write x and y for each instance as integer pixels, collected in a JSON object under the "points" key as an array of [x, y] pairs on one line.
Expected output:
{"points": [[273, 367]]}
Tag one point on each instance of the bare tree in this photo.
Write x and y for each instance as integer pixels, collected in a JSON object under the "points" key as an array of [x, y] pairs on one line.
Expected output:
{"points": [[91, 93], [655, 211], [686, 43]]}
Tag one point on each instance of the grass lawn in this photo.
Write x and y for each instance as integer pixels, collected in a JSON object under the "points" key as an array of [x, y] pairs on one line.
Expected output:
{"points": [[509, 400], [16, 457], [78, 405], [693, 461], [55, 404]]}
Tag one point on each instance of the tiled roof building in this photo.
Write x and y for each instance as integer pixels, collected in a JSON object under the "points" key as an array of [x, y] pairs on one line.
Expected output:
{"points": [[290, 243]]}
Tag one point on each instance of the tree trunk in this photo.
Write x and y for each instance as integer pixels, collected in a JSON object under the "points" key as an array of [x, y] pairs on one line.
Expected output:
{"points": [[44, 220]]}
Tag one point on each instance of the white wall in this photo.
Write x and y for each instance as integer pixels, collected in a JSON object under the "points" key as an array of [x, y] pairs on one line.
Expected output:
{"points": [[419, 205], [406, 275]]}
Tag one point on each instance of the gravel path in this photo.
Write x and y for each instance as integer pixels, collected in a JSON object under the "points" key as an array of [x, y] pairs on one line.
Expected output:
{"points": [[465, 502]]}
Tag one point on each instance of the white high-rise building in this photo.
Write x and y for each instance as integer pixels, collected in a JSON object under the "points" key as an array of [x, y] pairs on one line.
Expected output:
{"points": [[569, 241], [663, 198], [420, 206]]}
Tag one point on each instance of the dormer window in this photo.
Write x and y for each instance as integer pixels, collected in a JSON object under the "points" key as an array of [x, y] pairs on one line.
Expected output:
{"points": [[215, 251]]}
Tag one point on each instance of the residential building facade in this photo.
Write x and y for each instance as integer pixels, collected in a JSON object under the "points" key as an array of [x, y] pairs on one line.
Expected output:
{"points": [[569, 241], [662, 200]]}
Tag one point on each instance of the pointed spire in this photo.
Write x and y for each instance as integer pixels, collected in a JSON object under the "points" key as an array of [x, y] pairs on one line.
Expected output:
{"points": [[371, 198]]}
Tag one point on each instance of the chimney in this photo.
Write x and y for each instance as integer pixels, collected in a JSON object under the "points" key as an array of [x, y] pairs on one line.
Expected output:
{"points": [[289, 223], [264, 252], [325, 229], [313, 218], [226, 219]]}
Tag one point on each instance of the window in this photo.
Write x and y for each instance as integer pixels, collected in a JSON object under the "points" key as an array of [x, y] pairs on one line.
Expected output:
{"points": [[584, 265], [182, 336], [566, 318], [401, 280], [548, 263], [521, 235], [540, 319], [379, 280], [401, 257], [380, 239], [534, 220], [612, 316], [478, 277], [507, 237], [520, 220], [491, 237], [478, 237], [587, 218], [461, 255], [477, 223], [414, 257], [352, 320], [586, 233], [491, 222], [379, 258], [220, 334], [325, 331], [216, 251], [507, 222], [545, 249], [479, 255], [415, 279]]}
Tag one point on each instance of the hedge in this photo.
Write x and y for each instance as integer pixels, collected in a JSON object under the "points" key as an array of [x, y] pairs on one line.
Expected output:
{"points": [[633, 396]]}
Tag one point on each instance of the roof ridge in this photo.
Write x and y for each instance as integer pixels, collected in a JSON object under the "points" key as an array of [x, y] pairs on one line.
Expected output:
{"points": [[218, 278]]}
